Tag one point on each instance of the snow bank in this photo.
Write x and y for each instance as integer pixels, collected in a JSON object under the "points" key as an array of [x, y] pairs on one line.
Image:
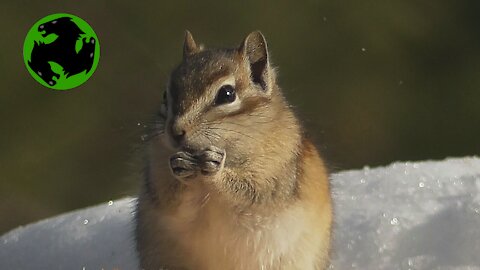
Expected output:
{"points": [[423, 215]]}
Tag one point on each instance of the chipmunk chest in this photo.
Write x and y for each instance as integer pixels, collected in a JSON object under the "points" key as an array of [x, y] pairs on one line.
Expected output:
{"points": [[218, 237], [188, 212]]}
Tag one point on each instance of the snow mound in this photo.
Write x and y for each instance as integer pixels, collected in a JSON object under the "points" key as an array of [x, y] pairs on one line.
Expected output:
{"points": [[423, 215], [99, 237]]}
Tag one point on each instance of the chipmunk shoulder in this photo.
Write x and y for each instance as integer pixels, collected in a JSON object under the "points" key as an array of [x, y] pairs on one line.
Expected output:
{"points": [[231, 181]]}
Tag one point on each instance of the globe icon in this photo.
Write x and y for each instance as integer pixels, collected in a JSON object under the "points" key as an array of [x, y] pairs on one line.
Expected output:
{"points": [[61, 51]]}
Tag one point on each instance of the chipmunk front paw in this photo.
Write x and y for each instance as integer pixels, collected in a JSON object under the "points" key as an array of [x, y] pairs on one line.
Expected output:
{"points": [[211, 160], [183, 165]]}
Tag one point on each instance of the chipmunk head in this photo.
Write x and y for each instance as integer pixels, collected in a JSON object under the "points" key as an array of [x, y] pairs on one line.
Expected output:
{"points": [[220, 97]]}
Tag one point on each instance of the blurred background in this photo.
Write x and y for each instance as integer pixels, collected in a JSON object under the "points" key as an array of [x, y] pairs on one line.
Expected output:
{"points": [[374, 82]]}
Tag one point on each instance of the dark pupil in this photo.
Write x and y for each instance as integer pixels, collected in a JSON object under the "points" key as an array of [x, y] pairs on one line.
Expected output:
{"points": [[226, 94]]}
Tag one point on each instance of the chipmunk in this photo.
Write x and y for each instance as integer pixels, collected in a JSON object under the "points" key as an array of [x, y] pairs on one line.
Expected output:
{"points": [[232, 182]]}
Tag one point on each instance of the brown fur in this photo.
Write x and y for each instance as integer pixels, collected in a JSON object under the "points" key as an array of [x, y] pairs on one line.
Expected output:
{"points": [[267, 206]]}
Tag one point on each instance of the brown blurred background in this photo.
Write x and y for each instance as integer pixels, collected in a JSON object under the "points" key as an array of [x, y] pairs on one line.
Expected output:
{"points": [[375, 82]]}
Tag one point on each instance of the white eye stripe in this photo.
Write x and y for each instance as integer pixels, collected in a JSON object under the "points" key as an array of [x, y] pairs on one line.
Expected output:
{"points": [[230, 107], [210, 95], [205, 101]]}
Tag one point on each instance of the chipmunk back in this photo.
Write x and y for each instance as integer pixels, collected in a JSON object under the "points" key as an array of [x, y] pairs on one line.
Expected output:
{"points": [[231, 180]]}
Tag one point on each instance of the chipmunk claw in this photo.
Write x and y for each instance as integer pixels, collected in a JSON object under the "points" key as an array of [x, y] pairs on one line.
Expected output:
{"points": [[183, 164], [211, 160]]}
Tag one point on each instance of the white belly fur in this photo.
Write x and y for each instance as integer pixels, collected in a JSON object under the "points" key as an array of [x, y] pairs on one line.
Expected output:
{"points": [[215, 236]]}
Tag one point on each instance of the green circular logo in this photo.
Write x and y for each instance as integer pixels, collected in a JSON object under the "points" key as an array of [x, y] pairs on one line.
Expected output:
{"points": [[61, 51]]}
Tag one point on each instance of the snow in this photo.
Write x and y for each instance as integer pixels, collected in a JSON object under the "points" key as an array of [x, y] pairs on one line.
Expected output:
{"points": [[99, 237], [422, 215]]}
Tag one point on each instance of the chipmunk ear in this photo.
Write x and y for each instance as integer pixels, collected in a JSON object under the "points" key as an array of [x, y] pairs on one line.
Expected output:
{"points": [[255, 52], [189, 45]]}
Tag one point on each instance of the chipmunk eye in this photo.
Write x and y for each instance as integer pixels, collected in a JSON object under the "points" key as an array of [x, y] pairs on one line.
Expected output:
{"points": [[226, 94]]}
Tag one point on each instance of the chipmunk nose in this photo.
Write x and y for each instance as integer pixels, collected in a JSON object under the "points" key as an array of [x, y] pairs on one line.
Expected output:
{"points": [[178, 133], [179, 136]]}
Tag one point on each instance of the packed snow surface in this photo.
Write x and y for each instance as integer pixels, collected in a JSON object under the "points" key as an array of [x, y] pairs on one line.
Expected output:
{"points": [[413, 215]]}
